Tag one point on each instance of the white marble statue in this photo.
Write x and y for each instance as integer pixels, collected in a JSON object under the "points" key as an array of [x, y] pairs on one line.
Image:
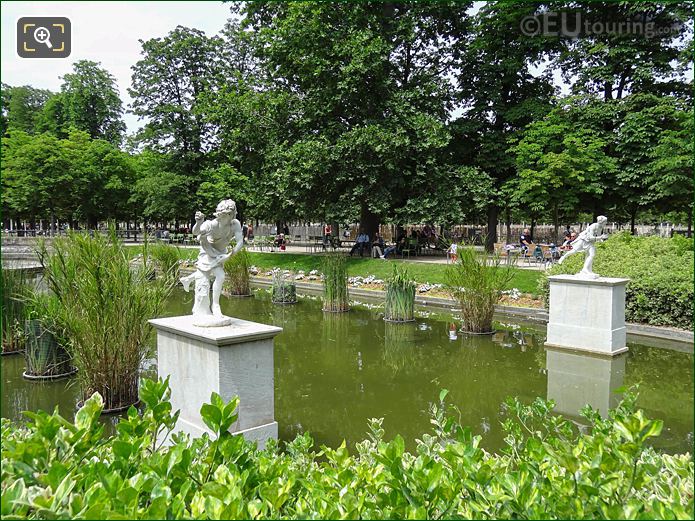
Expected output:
{"points": [[586, 242], [215, 237]]}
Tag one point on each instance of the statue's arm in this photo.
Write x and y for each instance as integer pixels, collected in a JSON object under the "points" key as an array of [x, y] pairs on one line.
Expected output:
{"points": [[199, 220], [238, 235]]}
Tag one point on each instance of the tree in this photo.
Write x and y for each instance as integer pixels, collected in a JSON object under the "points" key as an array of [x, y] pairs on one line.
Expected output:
{"points": [[672, 167], [159, 194], [614, 63], [498, 94], [22, 107], [560, 163], [168, 85], [91, 102], [372, 94]]}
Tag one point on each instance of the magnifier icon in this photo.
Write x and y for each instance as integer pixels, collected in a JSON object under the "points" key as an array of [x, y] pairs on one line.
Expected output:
{"points": [[42, 35]]}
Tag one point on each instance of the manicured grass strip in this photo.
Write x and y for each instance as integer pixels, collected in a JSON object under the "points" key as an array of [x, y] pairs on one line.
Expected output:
{"points": [[525, 280]]}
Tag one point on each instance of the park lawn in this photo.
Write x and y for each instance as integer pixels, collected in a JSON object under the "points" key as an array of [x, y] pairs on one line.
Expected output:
{"points": [[525, 281]]}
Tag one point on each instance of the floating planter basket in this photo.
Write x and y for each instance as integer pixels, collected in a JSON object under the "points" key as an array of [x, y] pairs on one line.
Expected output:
{"points": [[284, 290], [335, 284], [400, 297], [46, 358]]}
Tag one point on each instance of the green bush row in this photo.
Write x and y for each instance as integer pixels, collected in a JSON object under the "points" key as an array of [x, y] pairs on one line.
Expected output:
{"points": [[660, 291], [52, 468]]}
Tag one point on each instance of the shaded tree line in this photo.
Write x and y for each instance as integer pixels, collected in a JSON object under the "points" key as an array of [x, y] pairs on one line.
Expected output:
{"points": [[405, 112]]}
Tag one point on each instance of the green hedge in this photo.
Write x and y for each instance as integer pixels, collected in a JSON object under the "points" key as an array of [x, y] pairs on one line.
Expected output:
{"points": [[660, 291], [54, 469]]}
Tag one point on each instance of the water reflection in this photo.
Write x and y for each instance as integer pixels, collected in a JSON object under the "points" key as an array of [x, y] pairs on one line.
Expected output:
{"points": [[334, 371], [577, 379]]}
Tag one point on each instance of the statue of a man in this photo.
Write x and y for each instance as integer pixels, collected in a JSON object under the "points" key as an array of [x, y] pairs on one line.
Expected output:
{"points": [[214, 237], [586, 241]]}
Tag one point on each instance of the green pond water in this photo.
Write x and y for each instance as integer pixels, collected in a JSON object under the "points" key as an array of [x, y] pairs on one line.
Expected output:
{"points": [[335, 371]]}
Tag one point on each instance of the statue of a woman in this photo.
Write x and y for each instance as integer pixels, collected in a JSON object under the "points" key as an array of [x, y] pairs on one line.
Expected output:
{"points": [[214, 237]]}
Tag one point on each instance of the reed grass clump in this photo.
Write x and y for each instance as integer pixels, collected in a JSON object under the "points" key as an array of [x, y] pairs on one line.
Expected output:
{"points": [[335, 283], [400, 296], [236, 271], [476, 281], [165, 258], [15, 283], [284, 289], [102, 304]]}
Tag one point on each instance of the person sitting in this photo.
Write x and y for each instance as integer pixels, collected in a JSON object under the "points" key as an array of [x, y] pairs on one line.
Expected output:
{"points": [[280, 241], [397, 248], [567, 244], [361, 244], [377, 246], [526, 241]]}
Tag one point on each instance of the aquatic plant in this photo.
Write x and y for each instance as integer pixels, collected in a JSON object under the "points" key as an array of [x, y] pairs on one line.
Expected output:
{"points": [[400, 296], [166, 259], [102, 304], [284, 290], [476, 281], [335, 283], [236, 269], [15, 283]]}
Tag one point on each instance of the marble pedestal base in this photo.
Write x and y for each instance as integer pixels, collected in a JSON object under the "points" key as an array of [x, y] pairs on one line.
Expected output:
{"points": [[231, 360], [587, 314]]}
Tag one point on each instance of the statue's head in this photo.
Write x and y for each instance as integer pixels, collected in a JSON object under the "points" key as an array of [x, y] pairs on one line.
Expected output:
{"points": [[226, 207], [602, 219]]}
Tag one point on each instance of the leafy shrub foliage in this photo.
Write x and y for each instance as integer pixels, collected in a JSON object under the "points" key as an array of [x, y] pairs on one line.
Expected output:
{"points": [[660, 291], [56, 469]]}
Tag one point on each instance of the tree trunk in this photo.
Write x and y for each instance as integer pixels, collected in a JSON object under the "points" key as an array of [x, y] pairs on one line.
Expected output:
{"points": [[491, 238], [369, 222], [533, 226], [53, 223], [556, 223], [508, 222], [633, 214], [690, 223]]}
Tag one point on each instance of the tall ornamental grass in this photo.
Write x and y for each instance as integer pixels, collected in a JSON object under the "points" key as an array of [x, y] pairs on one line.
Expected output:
{"points": [[15, 283], [102, 303], [236, 271], [476, 281], [400, 296], [165, 258], [335, 283]]}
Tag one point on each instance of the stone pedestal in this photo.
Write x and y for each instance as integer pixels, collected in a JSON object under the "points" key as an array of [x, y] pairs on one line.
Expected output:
{"points": [[576, 379], [587, 314], [232, 360]]}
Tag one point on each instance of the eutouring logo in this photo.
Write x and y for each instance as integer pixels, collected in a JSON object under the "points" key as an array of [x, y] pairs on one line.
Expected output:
{"points": [[575, 25], [43, 37]]}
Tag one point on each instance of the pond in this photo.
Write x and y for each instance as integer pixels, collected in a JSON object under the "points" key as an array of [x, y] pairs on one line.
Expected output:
{"points": [[335, 371]]}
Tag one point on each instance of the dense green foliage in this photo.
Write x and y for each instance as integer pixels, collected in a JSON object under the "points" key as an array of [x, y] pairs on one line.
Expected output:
{"points": [[101, 305], [52, 468], [660, 291], [404, 112], [399, 305], [476, 282]]}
